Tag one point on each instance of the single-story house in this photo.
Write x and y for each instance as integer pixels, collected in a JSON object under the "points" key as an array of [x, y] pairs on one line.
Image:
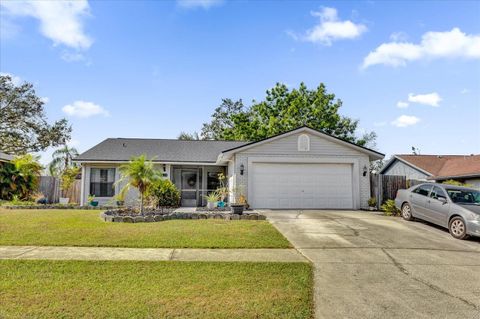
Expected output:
{"points": [[302, 168], [462, 168], [4, 157]]}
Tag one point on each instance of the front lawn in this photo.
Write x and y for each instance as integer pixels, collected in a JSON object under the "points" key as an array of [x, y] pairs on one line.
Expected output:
{"points": [[85, 228], [133, 289]]}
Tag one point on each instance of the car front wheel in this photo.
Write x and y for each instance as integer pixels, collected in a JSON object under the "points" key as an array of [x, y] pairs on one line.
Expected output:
{"points": [[407, 212], [457, 228]]}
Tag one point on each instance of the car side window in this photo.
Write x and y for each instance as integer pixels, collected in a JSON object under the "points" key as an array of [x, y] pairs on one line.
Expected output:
{"points": [[437, 193], [423, 190]]}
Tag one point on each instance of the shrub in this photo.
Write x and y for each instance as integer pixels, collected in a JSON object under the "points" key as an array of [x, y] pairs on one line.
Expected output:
{"points": [[20, 177], [68, 177], [456, 183], [389, 208], [163, 193], [372, 202]]}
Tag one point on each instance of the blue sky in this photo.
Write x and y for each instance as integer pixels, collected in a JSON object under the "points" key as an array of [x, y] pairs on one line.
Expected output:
{"points": [[408, 70]]}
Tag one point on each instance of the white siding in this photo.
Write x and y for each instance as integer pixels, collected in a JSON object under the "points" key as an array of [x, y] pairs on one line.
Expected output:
{"points": [[402, 169], [320, 148]]}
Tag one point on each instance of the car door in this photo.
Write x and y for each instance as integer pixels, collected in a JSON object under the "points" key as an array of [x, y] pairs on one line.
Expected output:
{"points": [[438, 206], [418, 199]]}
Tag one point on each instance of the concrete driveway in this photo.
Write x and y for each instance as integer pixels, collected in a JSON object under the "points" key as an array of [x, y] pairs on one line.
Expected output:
{"points": [[372, 266]]}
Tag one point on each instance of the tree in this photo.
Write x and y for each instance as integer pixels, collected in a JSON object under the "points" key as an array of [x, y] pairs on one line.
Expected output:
{"points": [[23, 124], [139, 173], [62, 160], [280, 111], [223, 120], [189, 136]]}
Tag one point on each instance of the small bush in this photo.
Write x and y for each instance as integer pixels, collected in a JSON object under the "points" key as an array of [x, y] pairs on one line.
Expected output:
{"points": [[372, 202], [389, 208], [456, 183], [163, 193]]}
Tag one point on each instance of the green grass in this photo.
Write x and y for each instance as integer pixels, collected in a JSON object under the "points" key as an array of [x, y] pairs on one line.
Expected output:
{"points": [[131, 289], [85, 228]]}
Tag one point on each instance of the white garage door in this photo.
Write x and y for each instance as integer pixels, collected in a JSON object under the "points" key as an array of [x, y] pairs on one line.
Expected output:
{"points": [[279, 185]]}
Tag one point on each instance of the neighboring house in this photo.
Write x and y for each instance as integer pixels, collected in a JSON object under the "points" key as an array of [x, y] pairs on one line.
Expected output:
{"points": [[462, 168], [5, 157], [302, 168]]}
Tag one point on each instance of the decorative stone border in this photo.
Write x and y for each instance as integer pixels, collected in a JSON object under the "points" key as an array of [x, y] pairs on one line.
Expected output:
{"points": [[57, 207], [115, 216]]}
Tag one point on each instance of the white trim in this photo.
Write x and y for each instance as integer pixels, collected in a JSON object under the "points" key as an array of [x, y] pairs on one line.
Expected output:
{"points": [[82, 187], [227, 155], [315, 160], [154, 162]]}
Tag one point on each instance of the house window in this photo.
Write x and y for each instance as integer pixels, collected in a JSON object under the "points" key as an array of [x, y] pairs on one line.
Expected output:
{"points": [[101, 182], [303, 143]]}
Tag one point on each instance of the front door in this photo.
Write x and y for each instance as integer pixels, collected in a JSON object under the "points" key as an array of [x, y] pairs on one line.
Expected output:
{"points": [[189, 186]]}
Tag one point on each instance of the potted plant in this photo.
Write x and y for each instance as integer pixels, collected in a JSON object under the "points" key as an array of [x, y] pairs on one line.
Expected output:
{"points": [[67, 178], [91, 201], [372, 203], [120, 199], [239, 201], [212, 199], [222, 191]]}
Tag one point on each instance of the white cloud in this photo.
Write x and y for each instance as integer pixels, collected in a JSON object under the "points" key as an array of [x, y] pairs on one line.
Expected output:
{"points": [[330, 28], [398, 36], [405, 120], [204, 4], [402, 104], [84, 109], [465, 91], [431, 99], [448, 44], [16, 80], [60, 21]]}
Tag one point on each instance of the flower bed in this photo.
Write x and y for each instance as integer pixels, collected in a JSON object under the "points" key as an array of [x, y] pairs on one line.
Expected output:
{"points": [[128, 215]]}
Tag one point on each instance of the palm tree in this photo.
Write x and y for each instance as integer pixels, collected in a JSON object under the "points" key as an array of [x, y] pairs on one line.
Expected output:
{"points": [[139, 173], [62, 160]]}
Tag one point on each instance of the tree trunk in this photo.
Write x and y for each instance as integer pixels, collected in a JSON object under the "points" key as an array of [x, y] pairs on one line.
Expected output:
{"points": [[141, 203]]}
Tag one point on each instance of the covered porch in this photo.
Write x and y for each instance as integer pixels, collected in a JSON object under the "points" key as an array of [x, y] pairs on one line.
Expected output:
{"points": [[196, 181]]}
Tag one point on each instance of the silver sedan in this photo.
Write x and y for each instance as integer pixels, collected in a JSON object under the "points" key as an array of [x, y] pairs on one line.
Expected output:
{"points": [[453, 207]]}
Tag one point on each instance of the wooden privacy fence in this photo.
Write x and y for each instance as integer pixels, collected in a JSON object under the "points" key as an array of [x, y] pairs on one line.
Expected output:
{"points": [[49, 186], [385, 187]]}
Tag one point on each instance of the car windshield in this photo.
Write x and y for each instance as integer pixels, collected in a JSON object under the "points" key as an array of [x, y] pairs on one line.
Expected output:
{"points": [[467, 196]]}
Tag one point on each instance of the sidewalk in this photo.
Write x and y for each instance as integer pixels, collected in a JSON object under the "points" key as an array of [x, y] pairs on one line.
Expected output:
{"points": [[152, 254]]}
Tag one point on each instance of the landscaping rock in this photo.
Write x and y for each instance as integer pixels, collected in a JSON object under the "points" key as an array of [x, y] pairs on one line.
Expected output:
{"points": [[158, 218], [139, 219], [118, 219], [235, 217], [262, 217], [244, 217], [128, 219], [149, 219], [109, 218]]}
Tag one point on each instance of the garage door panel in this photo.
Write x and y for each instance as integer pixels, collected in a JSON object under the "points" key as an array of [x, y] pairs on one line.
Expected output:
{"points": [[302, 185]]}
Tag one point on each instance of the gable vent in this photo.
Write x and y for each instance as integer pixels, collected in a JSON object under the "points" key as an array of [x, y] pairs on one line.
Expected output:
{"points": [[303, 143]]}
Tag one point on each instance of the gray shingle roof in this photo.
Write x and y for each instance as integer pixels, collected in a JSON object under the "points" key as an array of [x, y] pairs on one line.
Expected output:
{"points": [[122, 149]]}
